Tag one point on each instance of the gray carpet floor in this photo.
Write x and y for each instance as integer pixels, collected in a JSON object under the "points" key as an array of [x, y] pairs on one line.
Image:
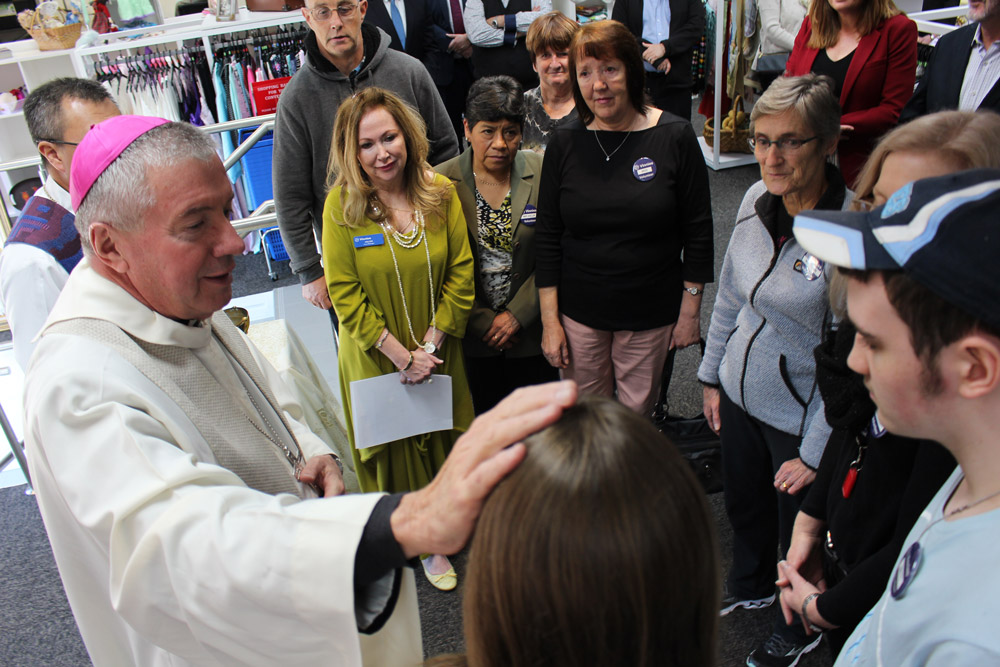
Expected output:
{"points": [[37, 628]]}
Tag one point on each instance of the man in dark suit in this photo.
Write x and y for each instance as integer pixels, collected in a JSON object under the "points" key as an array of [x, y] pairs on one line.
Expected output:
{"points": [[448, 57], [412, 15], [964, 70], [667, 47]]}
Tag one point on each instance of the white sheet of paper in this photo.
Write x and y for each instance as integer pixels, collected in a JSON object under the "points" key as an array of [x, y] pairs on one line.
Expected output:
{"points": [[384, 409]]}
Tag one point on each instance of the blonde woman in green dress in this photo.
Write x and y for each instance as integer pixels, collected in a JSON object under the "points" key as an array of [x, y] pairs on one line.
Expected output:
{"points": [[400, 274]]}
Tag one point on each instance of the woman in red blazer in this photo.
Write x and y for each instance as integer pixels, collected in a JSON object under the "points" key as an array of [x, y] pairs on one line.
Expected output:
{"points": [[869, 49]]}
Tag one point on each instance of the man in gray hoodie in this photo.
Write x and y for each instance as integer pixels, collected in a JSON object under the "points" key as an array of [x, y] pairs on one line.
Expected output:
{"points": [[343, 55]]}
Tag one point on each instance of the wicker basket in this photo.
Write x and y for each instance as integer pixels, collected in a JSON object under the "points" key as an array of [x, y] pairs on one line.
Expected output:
{"points": [[730, 141], [52, 39]]}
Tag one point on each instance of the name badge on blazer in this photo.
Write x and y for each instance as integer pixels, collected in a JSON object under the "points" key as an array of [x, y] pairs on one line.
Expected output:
{"points": [[529, 215], [368, 240], [810, 266]]}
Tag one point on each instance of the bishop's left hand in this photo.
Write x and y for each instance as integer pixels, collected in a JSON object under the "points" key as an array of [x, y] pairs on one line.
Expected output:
{"points": [[323, 473]]}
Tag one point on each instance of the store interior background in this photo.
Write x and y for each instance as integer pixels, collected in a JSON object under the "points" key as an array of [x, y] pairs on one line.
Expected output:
{"points": [[36, 626]]}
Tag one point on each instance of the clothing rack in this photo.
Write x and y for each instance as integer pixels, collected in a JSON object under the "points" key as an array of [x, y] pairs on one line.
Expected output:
{"points": [[184, 32]]}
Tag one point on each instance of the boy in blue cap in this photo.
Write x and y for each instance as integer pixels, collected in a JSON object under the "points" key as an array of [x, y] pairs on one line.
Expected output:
{"points": [[924, 295]]}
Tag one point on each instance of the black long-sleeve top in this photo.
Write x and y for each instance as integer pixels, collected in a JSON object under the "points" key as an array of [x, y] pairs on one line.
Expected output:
{"points": [[897, 478], [618, 247]]}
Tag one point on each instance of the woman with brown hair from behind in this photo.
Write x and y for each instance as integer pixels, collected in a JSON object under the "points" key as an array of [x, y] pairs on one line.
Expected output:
{"points": [[598, 549]]}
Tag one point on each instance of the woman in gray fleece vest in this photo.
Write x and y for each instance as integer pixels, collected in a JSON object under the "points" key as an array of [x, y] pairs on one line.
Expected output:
{"points": [[758, 370]]}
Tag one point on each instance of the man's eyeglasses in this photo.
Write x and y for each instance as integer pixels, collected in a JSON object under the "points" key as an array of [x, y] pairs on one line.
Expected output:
{"points": [[58, 141], [786, 145], [323, 13]]}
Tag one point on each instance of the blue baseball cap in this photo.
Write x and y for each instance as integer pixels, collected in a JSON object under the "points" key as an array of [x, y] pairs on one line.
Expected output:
{"points": [[943, 232]]}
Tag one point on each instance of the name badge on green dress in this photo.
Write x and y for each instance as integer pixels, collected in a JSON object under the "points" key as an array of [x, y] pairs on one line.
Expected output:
{"points": [[368, 240]]}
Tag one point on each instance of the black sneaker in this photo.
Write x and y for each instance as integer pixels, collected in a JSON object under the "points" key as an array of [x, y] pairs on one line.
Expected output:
{"points": [[779, 652], [731, 602]]}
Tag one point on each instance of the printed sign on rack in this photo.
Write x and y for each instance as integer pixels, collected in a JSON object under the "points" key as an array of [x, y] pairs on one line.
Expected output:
{"points": [[266, 93]]}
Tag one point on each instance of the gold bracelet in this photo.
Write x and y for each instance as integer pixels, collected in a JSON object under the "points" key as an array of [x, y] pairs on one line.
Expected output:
{"points": [[378, 345]]}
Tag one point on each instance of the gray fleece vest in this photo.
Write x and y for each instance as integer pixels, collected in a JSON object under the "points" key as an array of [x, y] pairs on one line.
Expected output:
{"points": [[238, 445]]}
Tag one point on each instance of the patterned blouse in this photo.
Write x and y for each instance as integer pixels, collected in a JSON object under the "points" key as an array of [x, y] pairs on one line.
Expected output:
{"points": [[495, 249], [537, 124]]}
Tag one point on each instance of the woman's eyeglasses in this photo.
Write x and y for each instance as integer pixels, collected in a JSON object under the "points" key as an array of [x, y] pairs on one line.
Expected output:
{"points": [[786, 145]]}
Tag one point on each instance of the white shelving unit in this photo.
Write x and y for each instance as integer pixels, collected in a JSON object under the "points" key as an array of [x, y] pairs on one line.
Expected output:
{"points": [[179, 32], [30, 67]]}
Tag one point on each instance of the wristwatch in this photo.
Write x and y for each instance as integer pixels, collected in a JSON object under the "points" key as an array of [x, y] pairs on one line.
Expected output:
{"points": [[429, 347], [495, 24], [693, 291]]}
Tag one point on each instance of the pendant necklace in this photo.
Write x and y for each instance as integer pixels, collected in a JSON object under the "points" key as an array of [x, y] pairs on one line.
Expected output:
{"points": [[607, 155], [295, 458], [906, 571]]}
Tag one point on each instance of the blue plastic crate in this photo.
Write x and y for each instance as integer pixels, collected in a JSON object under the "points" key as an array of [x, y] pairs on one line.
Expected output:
{"points": [[275, 245], [257, 169]]}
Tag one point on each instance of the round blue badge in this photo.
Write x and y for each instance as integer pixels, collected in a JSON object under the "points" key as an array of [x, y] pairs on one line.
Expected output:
{"points": [[644, 169]]}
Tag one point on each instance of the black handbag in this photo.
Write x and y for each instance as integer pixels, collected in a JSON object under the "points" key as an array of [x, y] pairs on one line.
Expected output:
{"points": [[696, 442]]}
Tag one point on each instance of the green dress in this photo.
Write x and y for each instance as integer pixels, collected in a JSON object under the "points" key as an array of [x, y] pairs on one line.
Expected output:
{"points": [[365, 293]]}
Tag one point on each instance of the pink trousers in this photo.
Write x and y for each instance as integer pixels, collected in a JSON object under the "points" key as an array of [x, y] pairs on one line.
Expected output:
{"points": [[630, 361]]}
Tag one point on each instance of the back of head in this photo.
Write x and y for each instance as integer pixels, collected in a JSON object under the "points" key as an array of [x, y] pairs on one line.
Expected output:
{"points": [[43, 110], [495, 98], [122, 192], [605, 40], [553, 31], [598, 550], [960, 139], [810, 96]]}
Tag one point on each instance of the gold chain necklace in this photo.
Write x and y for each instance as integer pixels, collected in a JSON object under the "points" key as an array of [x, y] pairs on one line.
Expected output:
{"points": [[485, 182]]}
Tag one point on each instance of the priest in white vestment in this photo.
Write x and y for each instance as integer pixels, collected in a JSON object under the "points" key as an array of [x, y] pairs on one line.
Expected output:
{"points": [[178, 488]]}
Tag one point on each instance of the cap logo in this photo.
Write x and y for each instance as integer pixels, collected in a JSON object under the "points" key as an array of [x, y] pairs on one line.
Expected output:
{"points": [[898, 201], [902, 241]]}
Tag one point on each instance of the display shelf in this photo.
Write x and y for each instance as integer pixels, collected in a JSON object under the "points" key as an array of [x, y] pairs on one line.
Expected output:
{"points": [[183, 29], [16, 142], [929, 21], [717, 161], [29, 66]]}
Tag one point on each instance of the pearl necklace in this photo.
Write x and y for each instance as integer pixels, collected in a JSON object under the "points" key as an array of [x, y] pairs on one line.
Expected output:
{"points": [[412, 240]]}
